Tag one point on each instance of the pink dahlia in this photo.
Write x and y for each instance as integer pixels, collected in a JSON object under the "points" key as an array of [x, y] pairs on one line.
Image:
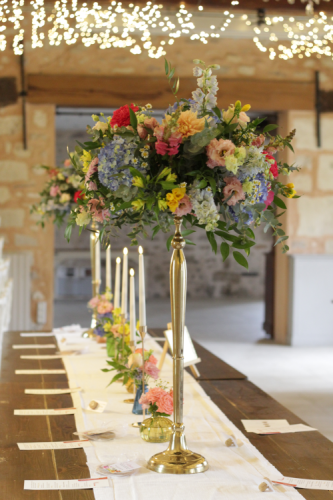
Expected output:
{"points": [[184, 207], [217, 150], [233, 190]]}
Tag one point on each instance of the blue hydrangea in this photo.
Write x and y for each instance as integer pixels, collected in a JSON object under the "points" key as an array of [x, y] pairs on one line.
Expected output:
{"points": [[254, 163], [115, 155], [258, 195]]}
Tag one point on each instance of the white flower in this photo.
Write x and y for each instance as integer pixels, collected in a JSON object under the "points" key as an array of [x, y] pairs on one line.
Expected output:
{"points": [[198, 96], [82, 219], [100, 126], [197, 71], [65, 197]]}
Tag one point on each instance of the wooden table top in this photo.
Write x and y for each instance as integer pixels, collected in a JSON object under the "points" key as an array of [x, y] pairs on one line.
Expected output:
{"points": [[305, 455]]}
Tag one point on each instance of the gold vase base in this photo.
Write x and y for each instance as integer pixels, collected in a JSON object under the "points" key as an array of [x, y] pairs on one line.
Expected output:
{"points": [[136, 425], [129, 401], [89, 334], [178, 462]]}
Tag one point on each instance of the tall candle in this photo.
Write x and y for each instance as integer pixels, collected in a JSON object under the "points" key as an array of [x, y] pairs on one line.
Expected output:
{"points": [[108, 268], [132, 306], [124, 289], [117, 284], [98, 262], [142, 290]]}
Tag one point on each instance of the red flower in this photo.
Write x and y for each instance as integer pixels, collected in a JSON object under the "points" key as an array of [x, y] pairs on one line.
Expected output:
{"points": [[274, 166], [121, 116], [78, 195]]}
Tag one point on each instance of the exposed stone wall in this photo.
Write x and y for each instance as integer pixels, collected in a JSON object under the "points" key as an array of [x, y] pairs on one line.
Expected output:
{"points": [[21, 179]]}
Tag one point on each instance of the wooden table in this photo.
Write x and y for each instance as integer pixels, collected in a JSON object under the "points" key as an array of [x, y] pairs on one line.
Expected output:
{"points": [[306, 455]]}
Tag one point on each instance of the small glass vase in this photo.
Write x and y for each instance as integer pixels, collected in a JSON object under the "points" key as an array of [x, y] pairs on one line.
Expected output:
{"points": [[156, 429], [137, 408]]}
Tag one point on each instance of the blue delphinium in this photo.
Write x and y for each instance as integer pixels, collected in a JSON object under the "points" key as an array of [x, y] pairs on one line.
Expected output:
{"points": [[115, 155]]}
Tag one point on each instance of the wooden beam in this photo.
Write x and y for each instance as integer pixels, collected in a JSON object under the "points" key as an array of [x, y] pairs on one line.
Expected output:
{"points": [[115, 91]]}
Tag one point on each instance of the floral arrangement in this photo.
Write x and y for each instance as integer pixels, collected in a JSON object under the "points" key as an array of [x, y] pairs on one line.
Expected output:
{"points": [[158, 401], [61, 192], [210, 166], [105, 312], [135, 367]]}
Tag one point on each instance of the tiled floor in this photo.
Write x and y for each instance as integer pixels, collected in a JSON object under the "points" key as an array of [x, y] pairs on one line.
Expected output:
{"points": [[299, 378]]}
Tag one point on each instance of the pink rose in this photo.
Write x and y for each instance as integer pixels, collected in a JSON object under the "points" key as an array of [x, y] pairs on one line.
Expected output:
{"points": [[234, 188], [54, 190], [92, 168], [217, 150], [184, 207], [155, 394], [104, 307], [258, 141], [151, 370], [165, 404]]}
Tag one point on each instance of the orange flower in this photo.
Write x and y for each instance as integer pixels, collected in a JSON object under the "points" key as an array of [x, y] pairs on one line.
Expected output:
{"points": [[189, 124]]}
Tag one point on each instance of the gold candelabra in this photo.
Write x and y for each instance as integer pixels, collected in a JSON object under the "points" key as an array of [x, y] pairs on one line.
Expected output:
{"points": [[178, 459], [95, 283]]}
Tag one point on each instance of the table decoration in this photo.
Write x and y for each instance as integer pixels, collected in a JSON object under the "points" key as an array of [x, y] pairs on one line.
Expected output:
{"points": [[159, 402], [62, 190], [208, 168], [95, 256]]}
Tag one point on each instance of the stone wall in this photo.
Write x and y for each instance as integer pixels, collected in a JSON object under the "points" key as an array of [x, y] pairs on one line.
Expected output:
{"points": [[21, 179]]}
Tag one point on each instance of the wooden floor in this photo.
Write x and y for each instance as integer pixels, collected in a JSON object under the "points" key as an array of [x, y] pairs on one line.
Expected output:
{"points": [[306, 455]]}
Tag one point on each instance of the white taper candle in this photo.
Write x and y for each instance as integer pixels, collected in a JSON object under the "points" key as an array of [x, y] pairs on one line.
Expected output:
{"points": [[108, 268], [142, 290], [124, 289], [132, 306], [98, 261], [117, 284]]}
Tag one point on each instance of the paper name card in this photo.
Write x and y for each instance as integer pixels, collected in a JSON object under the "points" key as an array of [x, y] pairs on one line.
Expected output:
{"points": [[67, 484], [42, 356], [39, 372], [60, 411], [52, 391], [37, 334], [287, 429], [255, 425], [190, 355], [33, 346], [310, 484], [100, 408], [56, 445]]}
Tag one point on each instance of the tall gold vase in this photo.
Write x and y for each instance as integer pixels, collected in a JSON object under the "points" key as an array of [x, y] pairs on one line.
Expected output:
{"points": [[178, 459]]}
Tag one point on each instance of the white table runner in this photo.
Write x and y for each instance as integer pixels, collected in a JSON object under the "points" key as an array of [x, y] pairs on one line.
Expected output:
{"points": [[233, 474]]}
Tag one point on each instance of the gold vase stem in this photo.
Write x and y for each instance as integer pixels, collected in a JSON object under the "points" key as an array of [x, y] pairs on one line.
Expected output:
{"points": [[143, 331]]}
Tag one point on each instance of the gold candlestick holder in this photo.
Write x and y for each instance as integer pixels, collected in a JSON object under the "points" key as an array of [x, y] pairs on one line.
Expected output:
{"points": [[178, 459], [131, 400], [95, 283]]}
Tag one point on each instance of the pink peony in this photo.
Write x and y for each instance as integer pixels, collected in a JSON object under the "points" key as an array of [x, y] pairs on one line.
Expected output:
{"points": [[54, 190], [217, 150], [269, 199], [258, 141], [67, 163], [165, 404], [234, 188], [151, 370], [92, 169], [93, 302], [184, 207], [104, 307]]}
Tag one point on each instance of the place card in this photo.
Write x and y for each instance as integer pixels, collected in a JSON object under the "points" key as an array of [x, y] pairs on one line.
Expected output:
{"points": [[310, 484], [42, 356], [39, 372], [56, 411], [56, 445], [122, 468], [37, 334], [255, 425], [33, 346], [100, 408], [287, 429], [52, 391], [67, 484]]}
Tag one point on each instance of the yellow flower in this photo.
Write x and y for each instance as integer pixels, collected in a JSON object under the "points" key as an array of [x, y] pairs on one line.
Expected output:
{"points": [[247, 187], [178, 193], [61, 177], [165, 171], [162, 204], [245, 108], [138, 204], [82, 219], [291, 189], [172, 202], [86, 159], [171, 177], [124, 331], [137, 181], [189, 124], [107, 327]]}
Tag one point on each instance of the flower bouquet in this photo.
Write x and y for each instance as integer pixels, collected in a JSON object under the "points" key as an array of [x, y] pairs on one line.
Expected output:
{"points": [[210, 166], [136, 366], [61, 192], [105, 311], [159, 402]]}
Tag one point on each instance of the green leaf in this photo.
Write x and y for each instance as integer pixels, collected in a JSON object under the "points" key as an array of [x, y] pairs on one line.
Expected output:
{"points": [[116, 377], [279, 203], [224, 250], [250, 233], [270, 127], [212, 183], [240, 259], [166, 67], [189, 242], [212, 240], [125, 205], [202, 184], [133, 119], [226, 236], [290, 147], [282, 238], [187, 232], [168, 243], [136, 173], [217, 111], [177, 87], [172, 72], [167, 185], [243, 246], [155, 231]]}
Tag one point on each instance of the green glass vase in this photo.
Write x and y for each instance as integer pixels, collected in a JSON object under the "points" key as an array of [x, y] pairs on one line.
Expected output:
{"points": [[156, 429]]}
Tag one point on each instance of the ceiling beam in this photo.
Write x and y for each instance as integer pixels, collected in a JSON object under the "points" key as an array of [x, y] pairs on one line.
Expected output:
{"points": [[104, 91]]}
